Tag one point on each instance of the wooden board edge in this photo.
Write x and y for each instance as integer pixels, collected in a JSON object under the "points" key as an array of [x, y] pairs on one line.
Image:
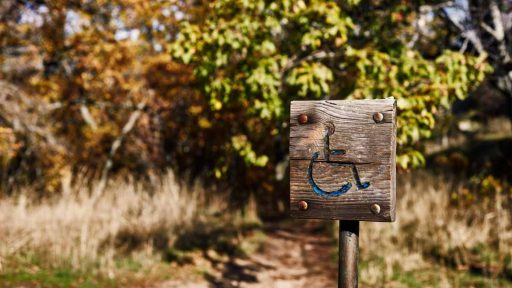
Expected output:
{"points": [[392, 203], [372, 218]]}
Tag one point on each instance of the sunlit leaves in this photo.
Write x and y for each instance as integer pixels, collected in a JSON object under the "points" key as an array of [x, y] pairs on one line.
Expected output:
{"points": [[244, 148], [247, 56], [257, 38], [420, 86], [312, 79], [249, 59], [259, 55]]}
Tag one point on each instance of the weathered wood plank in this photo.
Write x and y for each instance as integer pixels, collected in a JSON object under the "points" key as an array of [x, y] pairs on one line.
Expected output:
{"points": [[355, 129], [369, 146]]}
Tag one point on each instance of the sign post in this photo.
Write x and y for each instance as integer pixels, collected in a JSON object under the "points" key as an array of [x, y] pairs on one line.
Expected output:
{"points": [[342, 166], [348, 253]]}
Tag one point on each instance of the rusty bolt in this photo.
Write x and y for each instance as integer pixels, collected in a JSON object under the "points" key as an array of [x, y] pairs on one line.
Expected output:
{"points": [[375, 208], [303, 118], [303, 205], [378, 117]]}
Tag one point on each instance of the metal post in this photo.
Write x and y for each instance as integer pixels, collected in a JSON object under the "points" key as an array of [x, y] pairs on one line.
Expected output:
{"points": [[348, 254]]}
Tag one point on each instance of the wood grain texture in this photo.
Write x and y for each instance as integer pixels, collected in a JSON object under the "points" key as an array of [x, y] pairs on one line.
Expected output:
{"points": [[368, 145]]}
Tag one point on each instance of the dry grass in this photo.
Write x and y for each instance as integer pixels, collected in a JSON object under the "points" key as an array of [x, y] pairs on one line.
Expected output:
{"points": [[431, 229], [78, 230]]}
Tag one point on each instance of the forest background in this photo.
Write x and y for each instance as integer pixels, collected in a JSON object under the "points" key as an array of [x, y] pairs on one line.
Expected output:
{"points": [[127, 126]]}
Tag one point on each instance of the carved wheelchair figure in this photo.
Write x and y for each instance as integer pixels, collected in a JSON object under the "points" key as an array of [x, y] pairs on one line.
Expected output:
{"points": [[327, 152]]}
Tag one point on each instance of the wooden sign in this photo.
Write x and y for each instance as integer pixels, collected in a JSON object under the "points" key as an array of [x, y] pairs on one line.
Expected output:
{"points": [[342, 159]]}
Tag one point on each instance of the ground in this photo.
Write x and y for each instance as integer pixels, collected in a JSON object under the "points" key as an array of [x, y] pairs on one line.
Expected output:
{"points": [[294, 253], [300, 253], [289, 256]]}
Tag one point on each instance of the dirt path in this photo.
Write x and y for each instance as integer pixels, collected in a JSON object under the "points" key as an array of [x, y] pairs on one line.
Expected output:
{"points": [[293, 255]]}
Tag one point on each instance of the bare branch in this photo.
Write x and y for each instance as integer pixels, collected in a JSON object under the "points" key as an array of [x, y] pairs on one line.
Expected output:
{"points": [[499, 32], [475, 40], [23, 114], [464, 46], [468, 31], [489, 29], [497, 21], [113, 149], [86, 115]]}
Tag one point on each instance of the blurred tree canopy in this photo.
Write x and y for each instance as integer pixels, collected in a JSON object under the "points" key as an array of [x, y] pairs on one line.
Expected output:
{"points": [[256, 56], [98, 72], [94, 88]]}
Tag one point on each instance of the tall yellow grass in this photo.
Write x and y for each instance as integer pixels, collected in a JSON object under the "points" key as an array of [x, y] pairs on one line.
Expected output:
{"points": [[127, 220], [431, 229], [77, 229]]}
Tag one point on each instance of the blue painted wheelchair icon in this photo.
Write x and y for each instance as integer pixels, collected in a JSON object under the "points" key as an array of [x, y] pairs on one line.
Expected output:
{"points": [[345, 187]]}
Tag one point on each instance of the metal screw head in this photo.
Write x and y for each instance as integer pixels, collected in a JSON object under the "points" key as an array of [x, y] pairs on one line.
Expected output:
{"points": [[375, 208], [303, 205], [378, 117], [303, 118]]}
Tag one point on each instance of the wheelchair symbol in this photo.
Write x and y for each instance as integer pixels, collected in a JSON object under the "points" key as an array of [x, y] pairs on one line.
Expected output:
{"points": [[345, 187]]}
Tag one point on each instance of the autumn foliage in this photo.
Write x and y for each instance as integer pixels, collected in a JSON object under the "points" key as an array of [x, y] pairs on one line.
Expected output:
{"points": [[97, 88]]}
